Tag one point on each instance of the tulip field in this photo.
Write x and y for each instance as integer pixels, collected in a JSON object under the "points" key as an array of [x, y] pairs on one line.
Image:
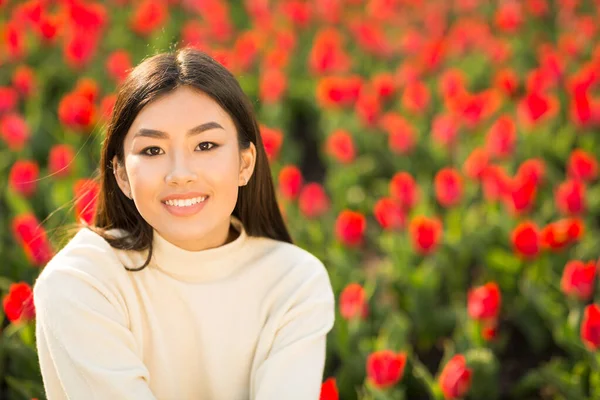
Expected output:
{"points": [[439, 156]]}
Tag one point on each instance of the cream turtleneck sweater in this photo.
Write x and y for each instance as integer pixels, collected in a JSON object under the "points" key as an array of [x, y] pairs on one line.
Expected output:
{"points": [[247, 320]]}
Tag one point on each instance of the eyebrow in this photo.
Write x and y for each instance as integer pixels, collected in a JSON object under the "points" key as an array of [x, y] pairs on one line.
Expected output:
{"points": [[154, 133]]}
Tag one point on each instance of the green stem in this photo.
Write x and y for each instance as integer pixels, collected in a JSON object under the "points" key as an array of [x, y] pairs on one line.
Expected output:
{"points": [[421, 372]]}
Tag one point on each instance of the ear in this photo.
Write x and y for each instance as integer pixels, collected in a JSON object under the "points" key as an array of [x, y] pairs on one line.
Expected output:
{"points": [[121, 177], [247, 162]]}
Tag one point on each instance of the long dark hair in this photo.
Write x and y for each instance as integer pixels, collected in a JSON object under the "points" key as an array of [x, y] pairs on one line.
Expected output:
{"points": [[157, 75]]}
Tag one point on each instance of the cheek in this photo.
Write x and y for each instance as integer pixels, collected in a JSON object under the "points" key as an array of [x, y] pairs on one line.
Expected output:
{"points": [[221, 173], [144, 177]]}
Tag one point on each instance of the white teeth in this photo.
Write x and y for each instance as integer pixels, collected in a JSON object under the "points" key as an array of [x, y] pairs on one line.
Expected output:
{"points": [[186, 202]]}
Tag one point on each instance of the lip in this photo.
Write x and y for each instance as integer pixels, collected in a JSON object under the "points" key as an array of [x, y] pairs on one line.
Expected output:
{"points": [[183, 196], [185, 211]]}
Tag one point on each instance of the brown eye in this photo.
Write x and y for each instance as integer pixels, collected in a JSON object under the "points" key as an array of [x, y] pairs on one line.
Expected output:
{"points": [[151, 151], [205, 146]]}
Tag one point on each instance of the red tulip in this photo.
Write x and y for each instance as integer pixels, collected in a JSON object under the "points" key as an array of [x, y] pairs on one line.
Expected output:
{"points": [[385, 368], [538, 83], [23, 177], [329, 11], [368, 107], [340, 146], [533, 170], [475, 108], [451, 83], [298, 12], [570, 197], [8, 99], [484, 302], [313, 201], [536, 107], [245, 50], [389, 214], [290, 182], [408, 72], [445, 131], [521, 194], [404, 190], [329, 390], [416, 97], [327, 54], [336, 91], [507, 81], [569, 43], [24, 80], [578, 279], [455, 379], [590, 327], [537, 8], [501, 138], [476, 164], [216, 15], [496, 183], [384, 85], [88, 88], [60, 160], [148, 16], [272, 140], [402, 136], [13, 38], [86, 193], [118, 65], [194, 34], [425, 234], [350, 228], [15, 131], [353, 302], [448, 187], [79, 48], [580, 108], [370, 37], [76, 111], [18, 303], [276, 58], [434, 50], [526, 239], [582, 166], [107, 106], [559, 234], [87, 16], [49, 27], [509, 17], [489, 331], [32, 237], [273, 83]]}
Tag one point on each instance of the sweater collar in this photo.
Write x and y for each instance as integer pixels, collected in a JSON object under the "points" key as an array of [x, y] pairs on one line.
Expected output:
{"points": [[204, 265]]}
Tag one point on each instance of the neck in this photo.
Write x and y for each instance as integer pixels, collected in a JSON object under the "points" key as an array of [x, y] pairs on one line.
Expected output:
{"points": [[222, 235]]}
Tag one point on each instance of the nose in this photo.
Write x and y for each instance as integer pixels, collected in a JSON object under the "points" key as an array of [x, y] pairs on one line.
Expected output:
{"points": [[180, 172]]}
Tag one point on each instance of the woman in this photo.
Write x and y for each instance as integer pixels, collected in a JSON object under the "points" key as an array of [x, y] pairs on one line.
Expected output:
{"points": [[188, 285]]}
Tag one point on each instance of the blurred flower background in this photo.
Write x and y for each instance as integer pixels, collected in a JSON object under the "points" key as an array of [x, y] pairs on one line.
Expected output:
{"points": [[439, 156]]}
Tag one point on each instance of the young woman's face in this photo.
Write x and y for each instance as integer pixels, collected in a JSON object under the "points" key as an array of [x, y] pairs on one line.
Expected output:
{"points": [[183, 168]]}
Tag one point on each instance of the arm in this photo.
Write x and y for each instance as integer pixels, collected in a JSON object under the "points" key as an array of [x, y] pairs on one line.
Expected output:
{"points": [[293, 369], [84, 346]]}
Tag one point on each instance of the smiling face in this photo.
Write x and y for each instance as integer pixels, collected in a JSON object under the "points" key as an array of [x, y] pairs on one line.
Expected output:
{"points": [[183, 168]]}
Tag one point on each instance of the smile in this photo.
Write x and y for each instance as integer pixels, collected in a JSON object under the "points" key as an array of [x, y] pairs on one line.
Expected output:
{"points": [[186, 202]]}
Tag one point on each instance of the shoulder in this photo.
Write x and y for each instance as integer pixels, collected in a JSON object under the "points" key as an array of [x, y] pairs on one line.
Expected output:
{"points": [[86, 261], [292, 272], [287, 257]]}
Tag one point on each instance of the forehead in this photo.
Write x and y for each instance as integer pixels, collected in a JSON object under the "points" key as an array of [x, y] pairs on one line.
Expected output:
{"points": [[180, 110]]}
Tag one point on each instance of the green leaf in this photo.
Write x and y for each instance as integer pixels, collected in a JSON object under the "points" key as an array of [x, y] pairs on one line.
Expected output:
{"points": [[485, 367], [28, 389], [553, 377]]}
